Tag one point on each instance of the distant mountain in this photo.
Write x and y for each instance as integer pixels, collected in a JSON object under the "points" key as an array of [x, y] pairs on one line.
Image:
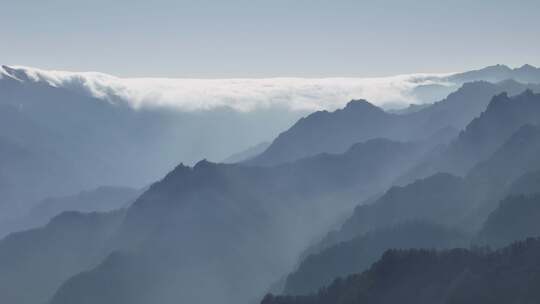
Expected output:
{"points": [[34, 263], [514, 150], [505, 172], [55, 124], [515, 218], [28, 166], [331, 132], [519, 155], [484, 134], [11, 153], [335, 131], [357, 254], [411, 108], [457, 276], [525, 74], [73, 141], [218, 227], [494, 74], [503, 116], [468, 102], [528, 183], [247, 154], [222, 233], [101, 199], [441, 198]]}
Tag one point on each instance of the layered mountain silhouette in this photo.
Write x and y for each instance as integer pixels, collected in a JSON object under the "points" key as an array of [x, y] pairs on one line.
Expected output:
{"points": [[101, 199], [250, 221], [330, 196], [528, 183], [508, 275], [485, 134], [74, 142], [36, 262], [247, 153], [359, 120], [495, 73], [357, 254], [511, 163], [224, 193], [57, 126], [515, 218], [443, 198], [503, 146]]}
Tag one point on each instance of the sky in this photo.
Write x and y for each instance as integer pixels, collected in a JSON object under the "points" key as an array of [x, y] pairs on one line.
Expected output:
{"points": [[245, 39]]}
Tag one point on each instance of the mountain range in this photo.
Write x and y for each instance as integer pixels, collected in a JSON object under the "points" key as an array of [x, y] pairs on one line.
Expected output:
{"points": [[56, 141], [435, 198], [359, 121], [355, 205], [463, 203], [508, 275]]}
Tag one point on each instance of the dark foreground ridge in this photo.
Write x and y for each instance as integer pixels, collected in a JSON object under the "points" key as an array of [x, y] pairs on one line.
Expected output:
{"points": [[457, 276]]}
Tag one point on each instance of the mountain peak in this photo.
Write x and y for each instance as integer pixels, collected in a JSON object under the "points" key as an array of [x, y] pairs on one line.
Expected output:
{"points": [[500, 66], [495, 73], [497, 67], [14, 73], [361, 104], [498, 100], [527, 67], [204, 163]]}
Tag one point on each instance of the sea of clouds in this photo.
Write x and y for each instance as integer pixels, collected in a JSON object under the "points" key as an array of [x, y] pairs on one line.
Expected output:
{"points": [[245, 95]]}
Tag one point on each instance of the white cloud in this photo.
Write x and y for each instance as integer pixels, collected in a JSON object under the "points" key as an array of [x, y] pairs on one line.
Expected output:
{"points": [[240, 94]]}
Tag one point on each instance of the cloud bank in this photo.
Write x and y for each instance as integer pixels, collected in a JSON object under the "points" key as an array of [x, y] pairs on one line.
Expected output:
{"points": [[245, 95]]}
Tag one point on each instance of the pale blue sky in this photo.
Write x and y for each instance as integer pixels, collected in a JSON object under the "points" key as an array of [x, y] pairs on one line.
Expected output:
{"points": [[268, 38]]}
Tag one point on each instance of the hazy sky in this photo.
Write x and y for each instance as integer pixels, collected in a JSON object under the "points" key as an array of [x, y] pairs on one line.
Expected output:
{"points": [[268, 38]]}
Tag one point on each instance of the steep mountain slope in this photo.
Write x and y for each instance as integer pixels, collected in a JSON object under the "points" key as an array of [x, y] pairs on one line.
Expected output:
{"points": [[223, 233], [515, 218], [247, 153], [84, 142], [494, 74], [459, 108], [441, 198], [357, 254], [34, 263], [495, 178], [359, 120], [328, 132], [502, 117], [497, 175], [232, 229], [454, 201], [528, 183], [509, 275], [438, 198], [483, 135], [101, 199], [506, 171]]}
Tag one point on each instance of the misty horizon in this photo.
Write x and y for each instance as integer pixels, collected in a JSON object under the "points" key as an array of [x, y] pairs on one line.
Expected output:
{"points": [[244, 94], [269, 152]]}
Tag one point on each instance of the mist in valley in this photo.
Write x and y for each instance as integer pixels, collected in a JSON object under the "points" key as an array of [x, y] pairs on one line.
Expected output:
{"points": [[273, 153]]}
